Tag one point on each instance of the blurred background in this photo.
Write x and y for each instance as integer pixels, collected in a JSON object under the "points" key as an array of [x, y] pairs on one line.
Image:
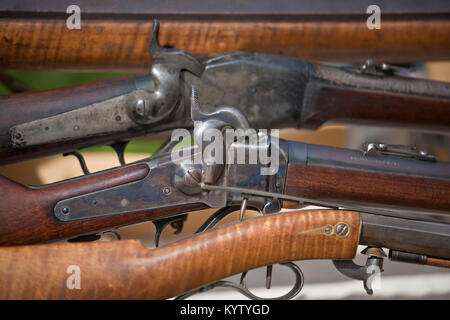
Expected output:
{"points": [[322, 281]]}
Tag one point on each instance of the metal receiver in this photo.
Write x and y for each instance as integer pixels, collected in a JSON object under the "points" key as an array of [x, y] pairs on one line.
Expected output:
{"points": [[143, 107]]}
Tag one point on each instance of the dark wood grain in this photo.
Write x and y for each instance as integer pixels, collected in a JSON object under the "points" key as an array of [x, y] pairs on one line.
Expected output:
{"points": [[27, 214], [357, 106], [123, 45], [127, 270], [327, 183]]}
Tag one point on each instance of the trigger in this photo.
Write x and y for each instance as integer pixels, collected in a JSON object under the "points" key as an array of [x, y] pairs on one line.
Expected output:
{"points": [[175, 222]]}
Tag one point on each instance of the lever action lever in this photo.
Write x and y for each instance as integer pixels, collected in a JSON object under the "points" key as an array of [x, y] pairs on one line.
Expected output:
{"points": [[367, 274]]}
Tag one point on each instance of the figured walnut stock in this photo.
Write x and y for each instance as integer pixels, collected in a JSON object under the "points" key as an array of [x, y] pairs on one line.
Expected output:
{"points": [[27, 213], [357, 106], [328, 183], [128, 270], [123, 45]]}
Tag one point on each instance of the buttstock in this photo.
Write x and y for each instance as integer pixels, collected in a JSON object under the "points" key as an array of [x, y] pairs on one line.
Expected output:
{"points": [[27, 213], [127, 270]]}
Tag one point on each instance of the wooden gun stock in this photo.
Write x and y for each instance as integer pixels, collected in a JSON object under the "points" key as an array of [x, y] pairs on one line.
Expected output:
{"points": [[341, 177], [27, 213], [338, 184], [35, 35], [327, 103], [348, 176], [39, 124], [418, 104], [127, 270]]}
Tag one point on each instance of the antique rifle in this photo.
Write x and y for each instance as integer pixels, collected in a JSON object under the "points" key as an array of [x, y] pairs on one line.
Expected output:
{"points": [[384, 196], [272, 92], [382, 180], [126, 269], [34, 35]]}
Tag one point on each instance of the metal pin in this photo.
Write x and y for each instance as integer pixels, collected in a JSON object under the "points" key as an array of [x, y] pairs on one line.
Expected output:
{"points": [[119, 147], [269, 277], [243, 208], [379, 149], [80, 158]]}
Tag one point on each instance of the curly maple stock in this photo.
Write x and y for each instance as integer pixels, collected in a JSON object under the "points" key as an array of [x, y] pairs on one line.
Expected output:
{"points": [[115, 43], [128, 270]]}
